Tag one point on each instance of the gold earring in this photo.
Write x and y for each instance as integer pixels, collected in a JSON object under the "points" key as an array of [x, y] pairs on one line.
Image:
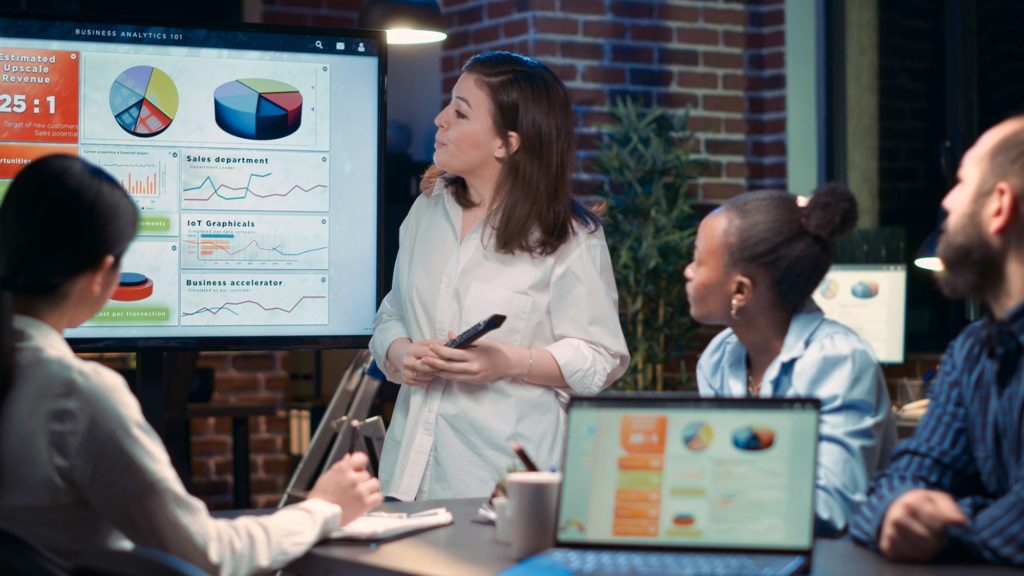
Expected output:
{"points": [[734, 311]]}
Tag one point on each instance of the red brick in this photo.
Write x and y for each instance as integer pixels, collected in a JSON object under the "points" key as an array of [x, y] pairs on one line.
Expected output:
{"points": [[727, 16], [588, 141], [774, 39], [597, 118], [207, 487], [264, 444], [721, 190], [770, 18], [656, 77], [760, 104], [650, 32], [202, 468], [736, 170], [768, 171], [677, 99], [254, 362], [587, 96], [214, 360], [767, 126], [583, 7], [583, 50], [210, 445], [630, 53], [637, 10], [734, 39], [695, 80], [468, 16], [275, 464], [678, 13], [235, 381], [736, 126], [719, 147], [500, 9], [268, 485], [456, 40], [485, 34], [705, 124], [258, 398], [277, 382], [712, 169], [678, 56], [604, 30], [712, 59], [604, 74], [222, 466], [762, 149], [447, 5], [698, 36], [567, 72], [273, 424], [200, 426], [721, 103], [552, 25], [543, 47], [515, 28], [737, 82]]}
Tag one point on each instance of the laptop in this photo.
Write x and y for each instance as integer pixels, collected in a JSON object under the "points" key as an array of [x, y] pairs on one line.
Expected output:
{"points": [[674, 484]]}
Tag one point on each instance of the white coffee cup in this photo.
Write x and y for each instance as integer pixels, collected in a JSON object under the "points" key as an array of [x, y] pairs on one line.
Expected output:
{"points": [[533, 502], [501, 519]]}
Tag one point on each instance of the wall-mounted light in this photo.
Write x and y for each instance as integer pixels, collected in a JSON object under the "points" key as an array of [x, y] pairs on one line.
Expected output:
{"points": [[926, 257], [406, 21]]}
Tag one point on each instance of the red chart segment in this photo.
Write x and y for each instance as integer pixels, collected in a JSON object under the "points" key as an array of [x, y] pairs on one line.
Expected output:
{"points": [[258, 108], [143, 100]]}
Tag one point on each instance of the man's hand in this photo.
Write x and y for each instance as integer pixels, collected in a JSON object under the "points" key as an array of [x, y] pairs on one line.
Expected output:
{"points": [[914, 527], [348, 484]]}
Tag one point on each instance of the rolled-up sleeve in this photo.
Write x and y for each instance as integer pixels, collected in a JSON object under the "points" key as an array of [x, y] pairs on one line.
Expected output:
{"points": [[589, 346]]}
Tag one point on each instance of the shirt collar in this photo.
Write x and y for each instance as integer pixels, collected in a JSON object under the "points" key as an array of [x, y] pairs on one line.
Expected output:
{"points": [[34, 329], [1003, 341]]}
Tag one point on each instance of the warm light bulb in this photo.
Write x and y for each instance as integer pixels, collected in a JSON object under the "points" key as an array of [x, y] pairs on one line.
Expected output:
{"points": [[410, 36], [932, 263]]}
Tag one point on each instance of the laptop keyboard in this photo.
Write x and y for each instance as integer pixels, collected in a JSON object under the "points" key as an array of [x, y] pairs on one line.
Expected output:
{"points": [[651, 563]]}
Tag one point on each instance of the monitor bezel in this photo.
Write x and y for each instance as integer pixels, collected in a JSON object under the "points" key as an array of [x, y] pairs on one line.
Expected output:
{"points": [[239, 343]]}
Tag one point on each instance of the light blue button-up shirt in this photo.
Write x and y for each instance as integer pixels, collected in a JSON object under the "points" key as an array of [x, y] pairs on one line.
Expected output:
{"points": [[823, 359]]}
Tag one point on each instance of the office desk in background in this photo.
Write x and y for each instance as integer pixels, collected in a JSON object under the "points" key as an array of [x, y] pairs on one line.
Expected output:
{"points": [[466, 548]]}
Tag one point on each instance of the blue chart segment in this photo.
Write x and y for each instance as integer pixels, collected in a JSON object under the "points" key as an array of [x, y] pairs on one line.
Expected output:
{"points": [[253, 299], [258, 108], [280, 182], [255, 241]]}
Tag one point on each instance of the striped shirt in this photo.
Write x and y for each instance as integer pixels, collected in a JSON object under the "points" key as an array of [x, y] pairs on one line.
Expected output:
{"points": [[969, 444]]}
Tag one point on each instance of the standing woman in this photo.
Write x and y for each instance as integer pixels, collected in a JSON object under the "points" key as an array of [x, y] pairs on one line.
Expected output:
{"points": [[496, 231], [80, 468], [756, 261]]}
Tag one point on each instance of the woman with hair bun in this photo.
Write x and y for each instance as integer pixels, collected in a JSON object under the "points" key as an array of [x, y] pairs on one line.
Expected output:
{"points": [[756, 261]]}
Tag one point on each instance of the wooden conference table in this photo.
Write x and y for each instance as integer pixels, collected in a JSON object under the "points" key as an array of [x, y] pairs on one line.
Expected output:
{"points": [[467, 548]]}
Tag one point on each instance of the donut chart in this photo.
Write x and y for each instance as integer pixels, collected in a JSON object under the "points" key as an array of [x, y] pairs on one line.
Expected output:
{"points": [[753, 438], [257, 108], [143, 100], [132, 287]]}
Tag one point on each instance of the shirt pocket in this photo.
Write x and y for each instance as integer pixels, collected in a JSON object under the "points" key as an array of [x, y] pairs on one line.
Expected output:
{"points": [[482, 300]]}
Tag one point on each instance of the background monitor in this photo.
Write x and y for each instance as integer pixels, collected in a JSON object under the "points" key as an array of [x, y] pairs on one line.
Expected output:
{"points": [[253, 153], [872, 300]]}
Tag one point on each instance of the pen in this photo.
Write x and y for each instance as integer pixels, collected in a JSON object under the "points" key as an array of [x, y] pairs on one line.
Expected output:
{"points": [[521, 453]]}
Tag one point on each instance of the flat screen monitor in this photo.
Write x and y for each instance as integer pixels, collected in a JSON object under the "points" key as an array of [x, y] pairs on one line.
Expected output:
{"points": [[872, 300], [253, 154]]}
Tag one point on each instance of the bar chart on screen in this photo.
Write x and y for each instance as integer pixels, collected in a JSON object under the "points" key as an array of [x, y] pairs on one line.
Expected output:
{"points": [[255, 241], [150, 176]]}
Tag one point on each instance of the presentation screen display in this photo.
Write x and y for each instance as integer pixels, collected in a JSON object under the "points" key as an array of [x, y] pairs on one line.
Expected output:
{"points": [[872, 300], [252, 153]]}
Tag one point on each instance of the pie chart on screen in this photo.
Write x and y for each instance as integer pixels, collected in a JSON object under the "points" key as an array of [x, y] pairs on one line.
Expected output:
{"points": [[257, 108], [143, 100]]}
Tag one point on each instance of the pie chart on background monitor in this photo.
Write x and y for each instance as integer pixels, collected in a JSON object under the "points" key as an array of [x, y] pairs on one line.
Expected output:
{"points": [[258, 108], [143, 100]]}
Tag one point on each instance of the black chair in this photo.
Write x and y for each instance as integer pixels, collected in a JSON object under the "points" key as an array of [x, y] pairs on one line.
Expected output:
{"points": [[137, 562], [19, 558]]}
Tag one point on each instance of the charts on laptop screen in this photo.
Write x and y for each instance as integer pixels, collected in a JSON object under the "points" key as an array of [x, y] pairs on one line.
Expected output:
{"points": [[253, 155], [683, 476], [872, 300]]}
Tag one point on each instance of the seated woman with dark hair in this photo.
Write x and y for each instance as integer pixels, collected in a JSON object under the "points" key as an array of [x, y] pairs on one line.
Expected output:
{"points": [[80, 468], [757, 259]]}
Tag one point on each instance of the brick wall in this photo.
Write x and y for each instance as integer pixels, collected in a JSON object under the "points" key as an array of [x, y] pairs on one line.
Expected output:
{"points": [[724, 58]]}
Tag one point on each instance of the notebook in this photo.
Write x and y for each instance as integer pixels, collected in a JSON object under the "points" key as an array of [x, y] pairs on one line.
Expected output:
{"points": [[391, 525], [672, 484]]}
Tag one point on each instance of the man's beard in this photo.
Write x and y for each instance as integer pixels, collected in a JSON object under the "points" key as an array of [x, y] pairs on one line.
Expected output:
{"points": [[973, 266]]}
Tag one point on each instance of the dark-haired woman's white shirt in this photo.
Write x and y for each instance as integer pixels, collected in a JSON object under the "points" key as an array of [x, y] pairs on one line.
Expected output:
{"points": [[820, 358], [450, 439], [81, 470]]}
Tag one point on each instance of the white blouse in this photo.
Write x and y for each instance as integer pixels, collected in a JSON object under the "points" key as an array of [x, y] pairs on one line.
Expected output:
{"points": [[81, 470], [450, 439]]}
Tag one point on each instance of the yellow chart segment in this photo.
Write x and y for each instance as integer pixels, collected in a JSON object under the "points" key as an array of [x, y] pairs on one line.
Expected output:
{"points": [[266, 85], [162, 93]]}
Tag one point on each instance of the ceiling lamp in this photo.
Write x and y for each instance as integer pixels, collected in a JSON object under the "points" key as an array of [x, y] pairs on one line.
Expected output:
{"points": [[406, 21]]}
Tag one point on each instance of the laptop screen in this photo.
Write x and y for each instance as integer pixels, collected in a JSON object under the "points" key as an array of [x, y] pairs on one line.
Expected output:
{"points": [[659, 471]]}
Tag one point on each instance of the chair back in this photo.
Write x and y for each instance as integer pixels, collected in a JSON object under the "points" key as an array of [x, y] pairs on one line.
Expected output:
{"points": [[146, 561], [19, 558]]}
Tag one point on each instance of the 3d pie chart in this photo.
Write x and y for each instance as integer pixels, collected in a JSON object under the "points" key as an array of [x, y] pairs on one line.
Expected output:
{"points": [[143, 100], [257, 108], [753, 438], [697, 436], [132, 287], [865, 289]]}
